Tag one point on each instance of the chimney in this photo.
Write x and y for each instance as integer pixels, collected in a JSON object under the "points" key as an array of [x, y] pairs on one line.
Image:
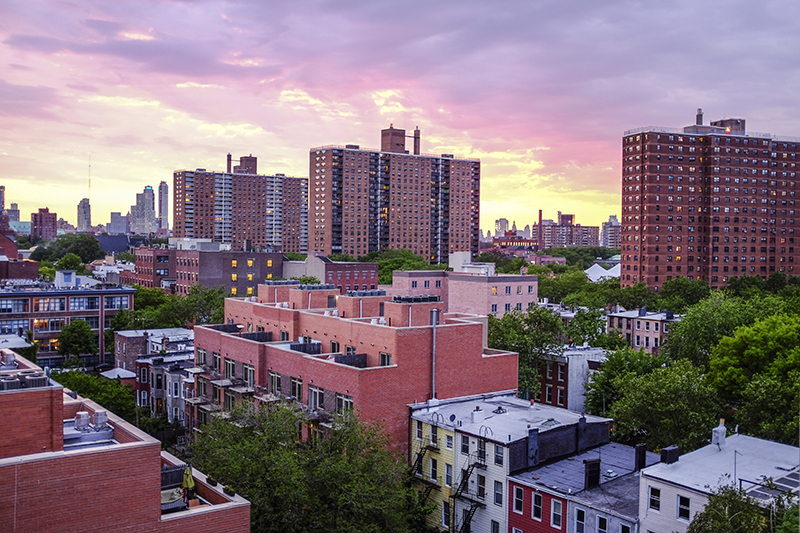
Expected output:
{"points": [[591, 473], [670, 454], [229, 162], [643, 311], [639, 456], [718, 434], [416, 140], [477, 415], [699, 121]]}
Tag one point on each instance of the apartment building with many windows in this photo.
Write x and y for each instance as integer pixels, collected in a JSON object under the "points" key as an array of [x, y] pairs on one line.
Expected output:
{"points": [[707, 202], [643, 329], [366, 200]]}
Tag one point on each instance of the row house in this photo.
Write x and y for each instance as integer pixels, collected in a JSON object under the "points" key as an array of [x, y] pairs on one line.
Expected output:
{"points": [[642, 329], [564, 375], [131, 344], [464, 449], [161, 384], [330, 352]]}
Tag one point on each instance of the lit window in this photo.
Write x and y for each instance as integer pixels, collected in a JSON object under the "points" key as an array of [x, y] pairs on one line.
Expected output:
{"points": [[234, 263], [233, 291], [250, 263], [234, 277], [250, 276], [249, 290], [269, 263]]}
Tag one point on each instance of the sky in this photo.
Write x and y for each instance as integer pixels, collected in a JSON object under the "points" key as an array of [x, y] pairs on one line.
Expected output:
{"points": [[540, 91]]}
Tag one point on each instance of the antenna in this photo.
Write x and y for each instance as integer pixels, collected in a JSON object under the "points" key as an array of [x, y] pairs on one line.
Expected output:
{"points": [[90, 177]]}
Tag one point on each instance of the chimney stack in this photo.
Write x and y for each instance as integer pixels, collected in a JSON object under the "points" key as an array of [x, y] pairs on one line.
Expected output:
{"points": [[670, 454], [591, 473], [640, 456], [699, 117]]}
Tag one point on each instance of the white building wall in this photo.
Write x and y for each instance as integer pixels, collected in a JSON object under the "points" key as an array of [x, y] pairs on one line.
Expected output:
{"points": [[665, 520]]}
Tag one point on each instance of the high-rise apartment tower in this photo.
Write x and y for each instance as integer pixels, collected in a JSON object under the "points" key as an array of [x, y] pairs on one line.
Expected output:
{"points": [[163, 205], [246, 210], [707, 202], [84, 215], [366, 200]]}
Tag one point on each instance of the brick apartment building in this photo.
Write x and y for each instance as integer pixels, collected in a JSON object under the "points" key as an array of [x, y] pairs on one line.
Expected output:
{"points": [[643, 329], [176, 270], [368, 200], [346, 275], [45, 308], [59, 472], [242, 208], [563, 376], [707, 202], [131, 344], [44, 224], [329, 352]]}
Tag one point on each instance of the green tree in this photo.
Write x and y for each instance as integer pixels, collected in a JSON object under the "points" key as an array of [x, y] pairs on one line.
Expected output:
{"points": [[582, 256], [344, 481], [77, 338], [705, 323], [148, 298], [729, 510], [308, 280], [770, 346], [559, 286], [72, 261], [534, 334], [110, 393], [602, 391], [789, 521], [768, 408], [125, 256], [679, 293], [672, 405], [342, 257], [586, 326], [87, 247], [47, 270], [397, 259], [295, 256]]}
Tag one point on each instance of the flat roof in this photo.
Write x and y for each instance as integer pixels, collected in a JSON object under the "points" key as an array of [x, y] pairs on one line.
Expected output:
{"points": [[505, 418], [567, 475], [655, 315], [709, 467], [162, 332]]}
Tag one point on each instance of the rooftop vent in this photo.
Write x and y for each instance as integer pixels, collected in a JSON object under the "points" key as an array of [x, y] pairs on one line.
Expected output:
{"points": [[670, 454], [718, 434], [81, 420]]}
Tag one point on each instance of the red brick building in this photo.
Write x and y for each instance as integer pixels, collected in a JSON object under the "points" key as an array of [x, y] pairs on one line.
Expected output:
{"points": [[44, 224], [346, 275], [59, 472], [330, 352], [242, 208], [368, 200], [707, 202]]}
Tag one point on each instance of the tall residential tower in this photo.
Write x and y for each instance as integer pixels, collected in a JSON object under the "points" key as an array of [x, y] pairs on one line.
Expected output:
{"points": [[163, 205], [366, 200], [84, 215]]}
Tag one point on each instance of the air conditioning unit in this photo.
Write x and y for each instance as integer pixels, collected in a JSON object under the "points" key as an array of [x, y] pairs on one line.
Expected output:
{"points": [[10, 384]]}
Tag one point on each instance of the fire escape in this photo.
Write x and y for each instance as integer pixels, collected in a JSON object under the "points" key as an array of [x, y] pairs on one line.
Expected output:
{"points": [[417, 471], [476, 460]]}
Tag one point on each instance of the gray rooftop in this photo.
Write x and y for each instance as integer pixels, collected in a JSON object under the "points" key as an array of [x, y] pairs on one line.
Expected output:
{"points": [[648, 315], [709, 467], [163, 332], [567, 475], [502, 417]]}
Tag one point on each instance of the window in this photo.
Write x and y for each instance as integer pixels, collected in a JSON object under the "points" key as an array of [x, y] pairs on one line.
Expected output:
{"points": [[446, 514], [234, 277], [498, 493], [448, 475], [274, 383], [481, 486], [481, 450], [561, 372], [250, 263], [427, 284], [297, 389], [624, 528], [464, 444], [434, 470], [316, 398], [602, 524], [683, 508], [334, 347], [418, 463], [413, 284], [494, 308], [386, 359], [343, 403], [580, 521], [519, 499], [230, 369], [536, 510], [508, 308], [448, 442], [498, 454], [494, 290], [495, 526], [655, 499], [250, 276], [508, 289], [555, 514], [216, 360], [419, 430], [234, 263], [269, 263], [249, 375], [434, 436], [561, 394], [234, 290]]}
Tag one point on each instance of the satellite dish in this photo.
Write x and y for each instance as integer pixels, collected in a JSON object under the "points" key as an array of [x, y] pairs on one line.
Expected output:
{"points": [[452, 418]]}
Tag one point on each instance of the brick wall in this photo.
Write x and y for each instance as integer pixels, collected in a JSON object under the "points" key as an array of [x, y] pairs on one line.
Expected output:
{"points": [[34, 421]]}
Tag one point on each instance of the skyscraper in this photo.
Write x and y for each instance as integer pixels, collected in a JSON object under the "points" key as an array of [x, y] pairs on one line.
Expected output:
{"points": [[84, 215], [143, 214], [500, 227], [707, 202], [243, 210], [163, 205], [368, 200], [118, 224], [13, 212], [611, 234], [2, 198], [44, 224]]}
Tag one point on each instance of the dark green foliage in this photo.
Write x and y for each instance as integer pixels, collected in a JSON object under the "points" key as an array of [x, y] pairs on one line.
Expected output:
{"points": [[586, 326], [295, 256], [789, 521], [583, 256], [84, 246], [602, 391], [155, 309], [344, 481], [730, 510], [308, 280], [109, 393], [126, 256], [392, 260], [534, 335], [679, 293], [503, 264], [77, 338], [342, 257], [768, 410], [672, 405]]}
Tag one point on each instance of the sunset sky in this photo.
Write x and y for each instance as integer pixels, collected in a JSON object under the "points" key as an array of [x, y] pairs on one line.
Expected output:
{"points": [[540, 91]]}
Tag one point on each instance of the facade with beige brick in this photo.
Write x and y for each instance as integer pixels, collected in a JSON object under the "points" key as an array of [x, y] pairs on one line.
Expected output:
{"points": [[330, 352]]}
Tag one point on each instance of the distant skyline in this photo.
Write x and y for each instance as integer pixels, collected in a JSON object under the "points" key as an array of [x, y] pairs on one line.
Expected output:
{"points": [[541, 92]]}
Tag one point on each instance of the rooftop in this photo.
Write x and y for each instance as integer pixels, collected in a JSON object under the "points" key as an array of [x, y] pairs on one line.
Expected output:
{"points": [[649, 315], [183, 333], [499, 417], [745, 458], [567, 475]]}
